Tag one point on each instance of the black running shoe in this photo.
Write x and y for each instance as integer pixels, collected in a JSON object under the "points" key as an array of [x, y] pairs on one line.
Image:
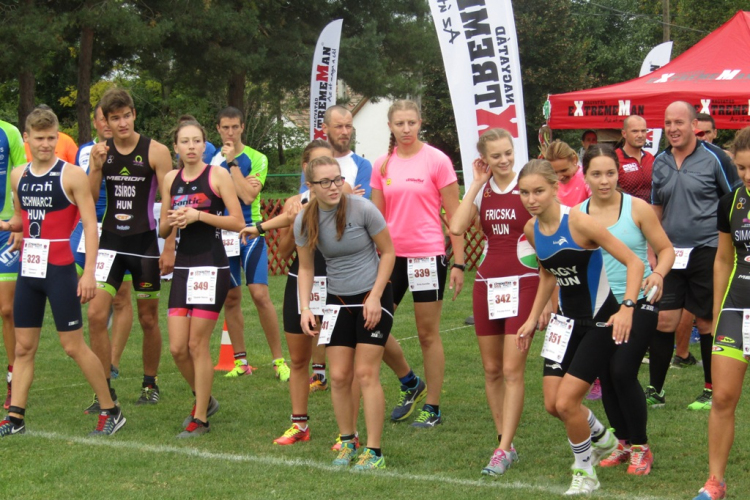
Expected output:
{"points": [[407, 399], [149, 395], [108, 424], [8, 428]]}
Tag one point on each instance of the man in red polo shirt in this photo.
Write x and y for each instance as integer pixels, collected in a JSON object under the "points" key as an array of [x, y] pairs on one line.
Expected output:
{"points": [[635, 163]]}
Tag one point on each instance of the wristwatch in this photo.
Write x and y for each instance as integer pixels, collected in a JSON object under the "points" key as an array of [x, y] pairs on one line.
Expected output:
{"points": [[260, 228], [459, 266], [628, 303], [232, 163]]}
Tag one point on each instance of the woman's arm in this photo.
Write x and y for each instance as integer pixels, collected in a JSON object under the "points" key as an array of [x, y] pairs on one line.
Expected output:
{"points": [[450, 203], [372, 308], [658, 240], [165, 226], [305, 278], [467, 210]]}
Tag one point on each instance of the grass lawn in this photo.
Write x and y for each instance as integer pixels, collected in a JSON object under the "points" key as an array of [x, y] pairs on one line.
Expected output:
{"points": [[238, 460]]}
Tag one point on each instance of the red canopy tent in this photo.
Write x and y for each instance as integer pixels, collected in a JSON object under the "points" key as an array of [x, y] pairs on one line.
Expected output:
{"points": [[713, 75]]}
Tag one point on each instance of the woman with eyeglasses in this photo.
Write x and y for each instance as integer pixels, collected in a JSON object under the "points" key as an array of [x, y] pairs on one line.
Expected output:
{"points": [[349, 231]]}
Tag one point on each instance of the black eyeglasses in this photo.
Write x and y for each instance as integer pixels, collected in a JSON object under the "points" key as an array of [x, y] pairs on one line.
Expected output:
{"points": [[326, 183]]}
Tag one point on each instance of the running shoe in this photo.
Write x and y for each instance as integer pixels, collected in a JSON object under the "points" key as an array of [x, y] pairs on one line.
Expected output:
{"points": [[346, 454], [595, 392], [617, 457], [712, 490], [318, 382], [407, 398], [282, 370], [641, 460], [427, 418], [604, 447], [114, 372], [500, 462], [584, 483], [678, 362], [367, 460], [213, 407], [8, 428], [655, 399], [704, 401], [293, 435], [94, 407], [108, 424], [194, 429], [337, 445], [6, 405], [149, 395], [240, 368]]}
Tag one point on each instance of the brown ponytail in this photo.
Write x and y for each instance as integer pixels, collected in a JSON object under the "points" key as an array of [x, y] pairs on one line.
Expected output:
{"points": [[311, 217]]}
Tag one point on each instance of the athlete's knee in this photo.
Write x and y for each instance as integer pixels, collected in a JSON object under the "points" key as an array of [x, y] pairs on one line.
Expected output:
{"points": [[25, 348], [513, 374], [493, 371], [340, 379], [233, 299], [299, 360], [179, 351], [148, 319], [429, 339], [551, 407], [97, 317], [122, 303], [566, 407], [724, 399], [260, 295], [6, 311], [668, 320], [73, 344], [198, 346], [367, 375]]}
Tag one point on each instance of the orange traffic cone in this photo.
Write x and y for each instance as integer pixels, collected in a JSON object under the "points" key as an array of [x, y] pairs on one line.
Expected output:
{"points": [[226, 352]]}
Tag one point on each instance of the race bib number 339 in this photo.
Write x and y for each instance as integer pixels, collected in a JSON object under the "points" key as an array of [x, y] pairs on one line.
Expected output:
{"points": [[422, 273]]}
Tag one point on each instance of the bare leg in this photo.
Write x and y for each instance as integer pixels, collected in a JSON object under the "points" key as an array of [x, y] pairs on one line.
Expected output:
{"points": [[682, 334], [122, 321], [90, 365], [268, 319], [7, 291], [235, 320], [728, 375], [200, 354], [300, 350], [98, 313], [341, 362], [570, 407], [367, 372], [148, 316], [427, 316]]}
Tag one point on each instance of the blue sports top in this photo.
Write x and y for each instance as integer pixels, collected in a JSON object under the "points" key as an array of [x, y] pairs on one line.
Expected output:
{"points": [[580, 273]]}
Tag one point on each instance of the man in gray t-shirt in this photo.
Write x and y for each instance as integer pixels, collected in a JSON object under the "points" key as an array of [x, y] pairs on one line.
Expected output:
{"points": [[689, 177], [352, 262]]}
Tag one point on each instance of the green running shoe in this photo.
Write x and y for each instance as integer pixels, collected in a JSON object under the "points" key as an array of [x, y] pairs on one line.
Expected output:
{"points": [[346, 454], [369, 461]]}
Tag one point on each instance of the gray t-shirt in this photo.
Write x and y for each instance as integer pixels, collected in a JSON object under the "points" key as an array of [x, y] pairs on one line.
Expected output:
{"points": [[352, 262], [689, 195]]}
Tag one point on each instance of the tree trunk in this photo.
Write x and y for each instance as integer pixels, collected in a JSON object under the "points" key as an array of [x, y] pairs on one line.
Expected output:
{"points": [[280, 134], [26, 90], [236, 91], [83, 99]]}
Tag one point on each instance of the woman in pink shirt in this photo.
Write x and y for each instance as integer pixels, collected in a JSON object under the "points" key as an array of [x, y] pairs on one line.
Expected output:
{"points": [[410, 185], [572, 189]]}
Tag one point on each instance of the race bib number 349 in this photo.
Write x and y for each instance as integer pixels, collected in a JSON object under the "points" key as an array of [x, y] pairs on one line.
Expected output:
{"points": [[201, 285]]}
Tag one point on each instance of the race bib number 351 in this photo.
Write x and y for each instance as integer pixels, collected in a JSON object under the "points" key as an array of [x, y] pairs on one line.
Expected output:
{"points": [[556, 338]]}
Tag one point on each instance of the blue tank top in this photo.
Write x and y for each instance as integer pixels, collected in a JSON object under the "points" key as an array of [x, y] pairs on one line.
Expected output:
{"points": [[627, 231], [580, 273]]}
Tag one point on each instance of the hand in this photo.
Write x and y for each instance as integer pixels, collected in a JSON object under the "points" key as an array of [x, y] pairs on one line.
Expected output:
{"points": [[98, 155], [372, 312], [482, 172], [525, 335], [15, 241], [653, 280], [621, 323], [292, 210], [249, 233], [456, 282], [358, 190], [309, 323], [86, 287], [166, 262], [544, 318], [227, 151]]}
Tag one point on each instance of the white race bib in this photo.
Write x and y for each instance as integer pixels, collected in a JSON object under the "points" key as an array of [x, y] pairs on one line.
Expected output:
{"points": [[82, 243], [104, 260], [681, 258], [231, 241], [422, 273], [35, 256], [746, 332], [330, 315], [502, 297], [201, 285], [556, 338], [318, 296]]}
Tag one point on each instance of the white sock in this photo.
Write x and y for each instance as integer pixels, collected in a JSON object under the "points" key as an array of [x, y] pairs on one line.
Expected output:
{"points": [[582, 454], [597, 429]]}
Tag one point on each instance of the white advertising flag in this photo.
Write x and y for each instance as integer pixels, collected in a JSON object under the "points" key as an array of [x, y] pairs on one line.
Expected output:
{"points": [[658, 57], [480, 53], [324, 75]]}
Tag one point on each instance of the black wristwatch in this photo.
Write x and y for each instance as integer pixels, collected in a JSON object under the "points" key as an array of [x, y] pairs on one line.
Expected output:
{"points": [[232, 163], [628, 303], [462, 267], [260, 228]]}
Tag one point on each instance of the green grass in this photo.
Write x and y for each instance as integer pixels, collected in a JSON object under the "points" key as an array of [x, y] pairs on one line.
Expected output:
{"points": [[238, 460]]}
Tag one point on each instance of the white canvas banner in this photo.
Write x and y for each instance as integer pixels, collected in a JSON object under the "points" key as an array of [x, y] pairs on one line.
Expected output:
{"points": [[480, 53], [324, 75], [658, 57]]}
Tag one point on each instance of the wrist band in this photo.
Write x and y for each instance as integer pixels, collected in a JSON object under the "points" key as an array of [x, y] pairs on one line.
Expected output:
{"points": [[304, 309], [659, 274], [260, 228]]}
